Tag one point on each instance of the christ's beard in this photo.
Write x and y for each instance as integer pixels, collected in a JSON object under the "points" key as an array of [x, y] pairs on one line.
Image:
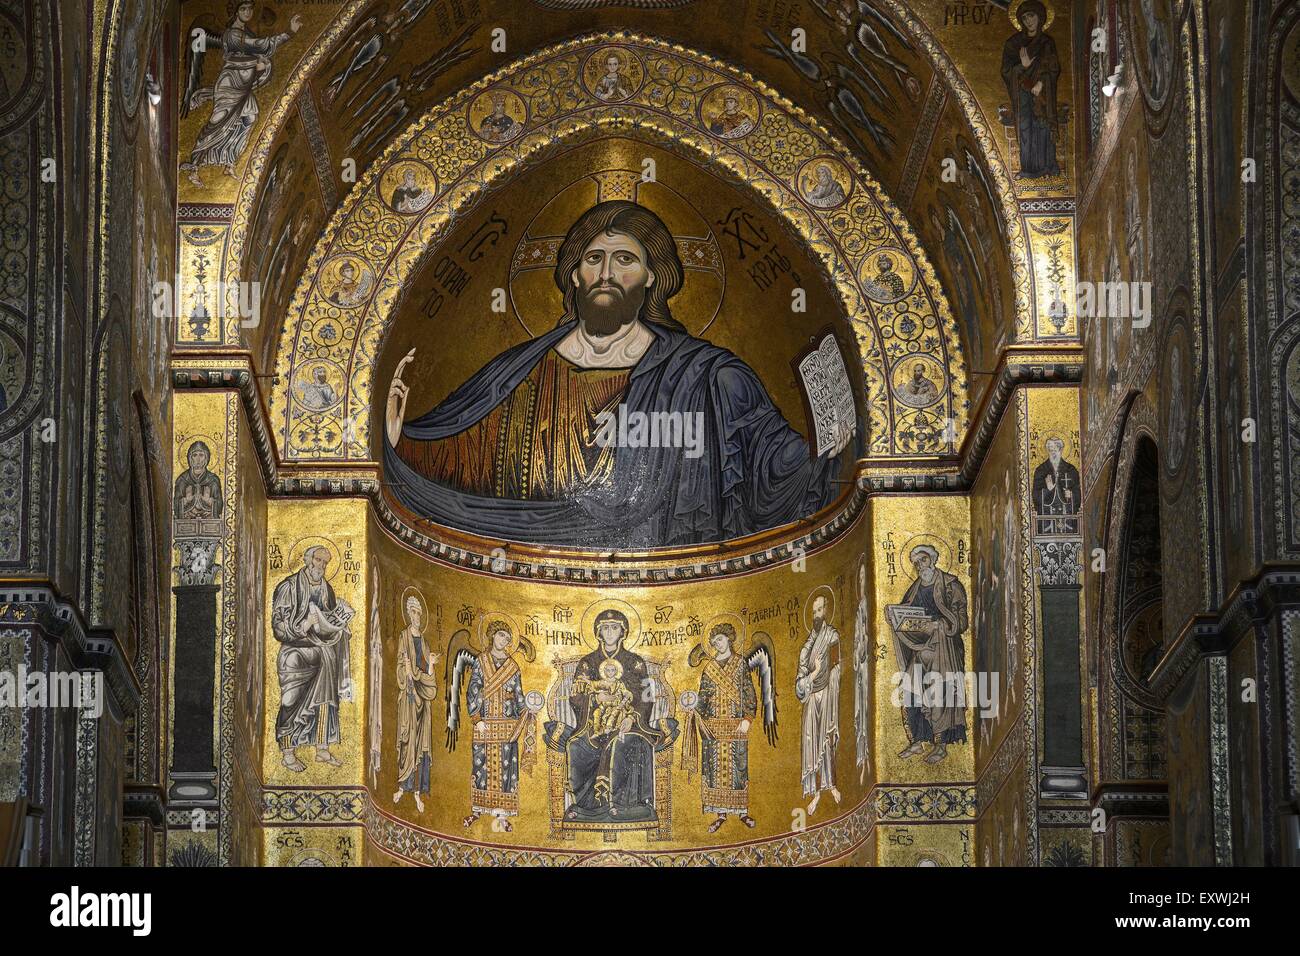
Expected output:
{"points": [[607, 317]]}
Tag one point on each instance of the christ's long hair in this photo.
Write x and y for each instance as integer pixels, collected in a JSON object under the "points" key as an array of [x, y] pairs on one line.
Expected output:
{"points": [[626, 217]]}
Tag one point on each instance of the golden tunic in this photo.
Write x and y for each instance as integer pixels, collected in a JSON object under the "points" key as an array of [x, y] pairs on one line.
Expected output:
{"points": [[538, 443]]}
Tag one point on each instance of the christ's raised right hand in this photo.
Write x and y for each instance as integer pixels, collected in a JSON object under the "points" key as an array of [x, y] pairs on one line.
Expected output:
{"points": [[397, 395]]}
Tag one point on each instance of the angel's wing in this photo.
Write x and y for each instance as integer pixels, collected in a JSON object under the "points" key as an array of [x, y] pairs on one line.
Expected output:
{"points": [[697, 655], [527, 649], [973, 165], [194, 95], [970, 250], [460, 659], [762, 659]]}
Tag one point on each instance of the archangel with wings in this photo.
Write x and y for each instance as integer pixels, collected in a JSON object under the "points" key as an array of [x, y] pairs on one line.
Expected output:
{"points": [[717, 734], [245, 67], [504, 728]]}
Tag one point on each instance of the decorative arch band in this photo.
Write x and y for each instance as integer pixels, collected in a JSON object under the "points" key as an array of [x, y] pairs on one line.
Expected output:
{"points": [[549, 108]]}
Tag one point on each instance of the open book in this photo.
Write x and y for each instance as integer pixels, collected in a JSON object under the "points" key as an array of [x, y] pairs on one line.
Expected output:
{"points": [[828, 395], [907, 618]]}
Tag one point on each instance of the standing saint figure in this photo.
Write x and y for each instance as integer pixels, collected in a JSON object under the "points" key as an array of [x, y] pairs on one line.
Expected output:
{"points": [[1157, 49], [817, 686], [245, 68], [504, 735], [720, 721], [1030, 70], [862, 676], [417, 689], [1176, 439], [931, 655], [313, 665], [1056, 490]]}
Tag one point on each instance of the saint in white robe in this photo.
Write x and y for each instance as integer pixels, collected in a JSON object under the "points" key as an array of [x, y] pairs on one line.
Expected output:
{"points": [[817, 686]]}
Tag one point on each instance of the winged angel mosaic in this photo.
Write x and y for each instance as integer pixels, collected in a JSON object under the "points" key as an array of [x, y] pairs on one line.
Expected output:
{"points": [[245, 68]]}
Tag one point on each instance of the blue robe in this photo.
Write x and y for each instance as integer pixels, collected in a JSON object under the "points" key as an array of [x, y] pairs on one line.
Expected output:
{"points": [[1037, 122], [754, 473]]}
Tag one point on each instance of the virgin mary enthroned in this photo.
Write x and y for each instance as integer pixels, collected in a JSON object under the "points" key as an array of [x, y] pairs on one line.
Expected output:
{"points": [[516, 452], [611, 731]]}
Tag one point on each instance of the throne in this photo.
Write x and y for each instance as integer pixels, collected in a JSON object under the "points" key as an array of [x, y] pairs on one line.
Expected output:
{"points": [[560, 712]]}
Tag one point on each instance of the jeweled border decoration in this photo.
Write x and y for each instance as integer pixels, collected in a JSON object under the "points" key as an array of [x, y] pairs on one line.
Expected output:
{"points": [[1221, 785], [314, 805], [892, 804], [823, 843]]}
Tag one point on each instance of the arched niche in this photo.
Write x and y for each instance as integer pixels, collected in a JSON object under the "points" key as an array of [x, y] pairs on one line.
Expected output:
{"points": [[1134, 736], [673, 106]]}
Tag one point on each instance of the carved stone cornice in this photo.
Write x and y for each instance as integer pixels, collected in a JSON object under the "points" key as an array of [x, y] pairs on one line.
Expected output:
{"points": [[36, 604], [233, 370], [1132, 798], [1275, 588], [144, 800], [1036, 366]]}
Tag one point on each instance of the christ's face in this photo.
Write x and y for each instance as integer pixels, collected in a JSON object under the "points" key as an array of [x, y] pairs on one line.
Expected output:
{"points": [[611, 634], [316, 565], [612, 278], [500, 639], [413, 612]]}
